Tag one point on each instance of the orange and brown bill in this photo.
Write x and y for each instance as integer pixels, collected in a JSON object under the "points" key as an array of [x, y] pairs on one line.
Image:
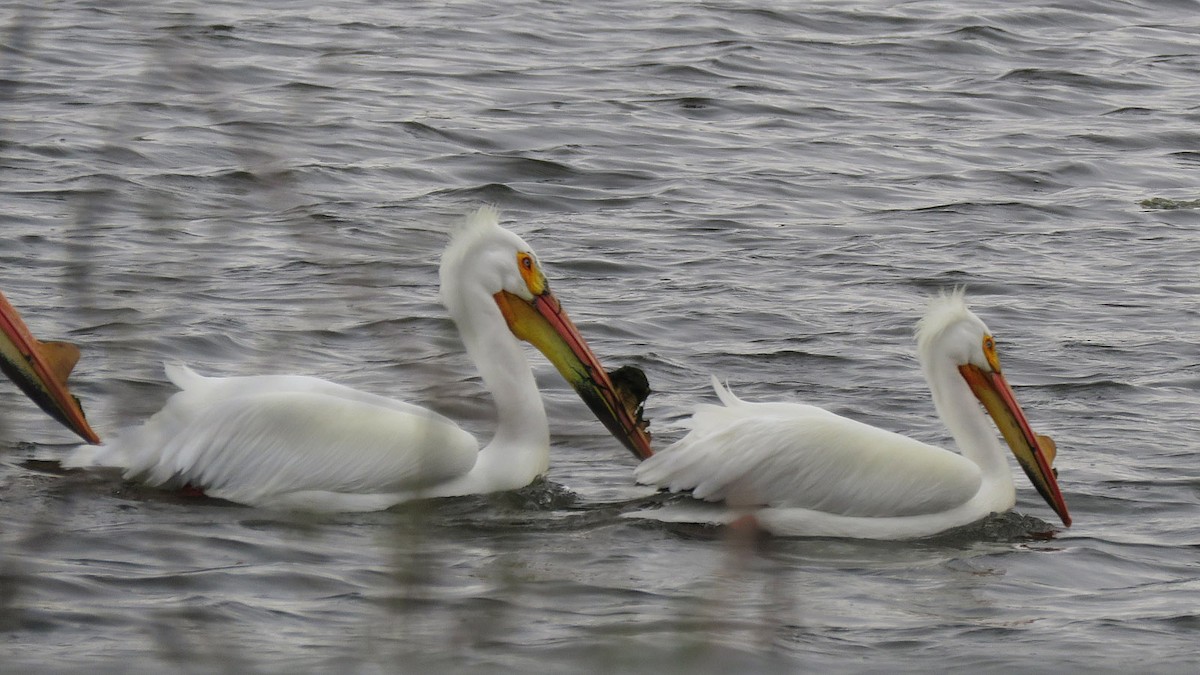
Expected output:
{"points": [[544, 323], [40, 369], [1035, 453]]}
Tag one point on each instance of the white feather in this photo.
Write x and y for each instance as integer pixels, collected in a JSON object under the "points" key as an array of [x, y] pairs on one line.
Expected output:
{"points": [[800, 456], [257, 439], [301, 442], [805, 471]]}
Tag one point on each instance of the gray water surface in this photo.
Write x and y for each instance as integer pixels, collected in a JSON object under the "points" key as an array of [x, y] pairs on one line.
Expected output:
{"points": [[768, 192]]}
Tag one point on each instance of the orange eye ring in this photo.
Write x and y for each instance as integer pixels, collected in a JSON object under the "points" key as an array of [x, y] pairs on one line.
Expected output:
{"points": [[989, 353], [535, 281]]}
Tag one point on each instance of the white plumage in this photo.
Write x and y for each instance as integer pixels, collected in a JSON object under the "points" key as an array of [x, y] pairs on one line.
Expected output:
{"points": [[804, 471], [304, 443], [289, 441]]}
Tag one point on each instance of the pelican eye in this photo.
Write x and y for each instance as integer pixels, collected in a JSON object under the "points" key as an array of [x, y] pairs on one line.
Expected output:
{"points": [[989, 353], [535, 281]]}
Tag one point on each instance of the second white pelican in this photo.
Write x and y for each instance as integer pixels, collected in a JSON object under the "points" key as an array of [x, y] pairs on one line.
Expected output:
{"points": [[798, 470], [299, 442]]}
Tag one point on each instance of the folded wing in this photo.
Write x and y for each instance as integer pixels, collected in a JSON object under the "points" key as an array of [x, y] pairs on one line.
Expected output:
{"points": [[256, 440], [800, 456]]}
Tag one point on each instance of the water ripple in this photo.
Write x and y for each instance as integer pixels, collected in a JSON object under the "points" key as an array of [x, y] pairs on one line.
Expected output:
{"points": [[765, 193]]}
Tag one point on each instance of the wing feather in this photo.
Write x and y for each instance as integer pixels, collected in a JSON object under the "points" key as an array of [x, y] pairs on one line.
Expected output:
{"points": [[249, 448], [801, 456], [255, 440]]}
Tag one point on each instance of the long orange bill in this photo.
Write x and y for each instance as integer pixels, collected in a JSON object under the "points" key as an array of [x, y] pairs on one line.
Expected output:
{"points": [[544, 323], [40, 369], [998, 399]]}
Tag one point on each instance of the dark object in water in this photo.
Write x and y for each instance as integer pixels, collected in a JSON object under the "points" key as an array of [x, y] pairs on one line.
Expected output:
{"points": [[633, 388]]}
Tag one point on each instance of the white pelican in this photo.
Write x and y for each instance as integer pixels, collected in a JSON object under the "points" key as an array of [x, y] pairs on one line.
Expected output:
{"points": [[798, 470], [40, 369], [298, 442]]}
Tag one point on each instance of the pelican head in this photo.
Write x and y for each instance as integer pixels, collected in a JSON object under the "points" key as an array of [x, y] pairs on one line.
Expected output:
{"points": [[40, 369], [951, 332], [486, 269]]}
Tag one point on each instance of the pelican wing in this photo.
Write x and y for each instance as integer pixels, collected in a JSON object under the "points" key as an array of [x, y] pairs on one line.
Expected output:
{"points": [[800, 456], [264, 440]]}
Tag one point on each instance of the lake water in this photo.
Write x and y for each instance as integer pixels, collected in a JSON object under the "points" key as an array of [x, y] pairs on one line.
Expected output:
{"points": [[766, 191]]}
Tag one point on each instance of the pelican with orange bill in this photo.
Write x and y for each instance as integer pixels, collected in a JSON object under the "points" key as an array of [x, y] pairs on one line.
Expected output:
{"points": [[303, 443], [800, 470]]}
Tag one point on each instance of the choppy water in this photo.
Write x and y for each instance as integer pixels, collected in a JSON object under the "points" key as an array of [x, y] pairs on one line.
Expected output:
{"points": [[764, 191]]}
